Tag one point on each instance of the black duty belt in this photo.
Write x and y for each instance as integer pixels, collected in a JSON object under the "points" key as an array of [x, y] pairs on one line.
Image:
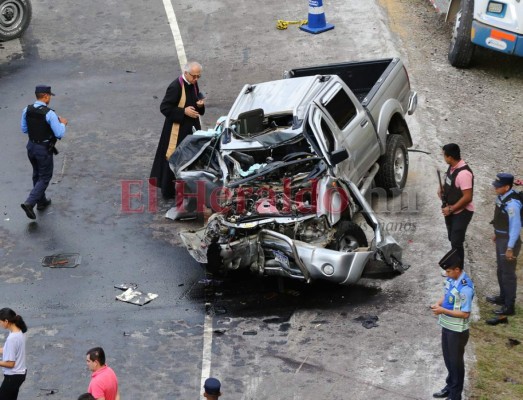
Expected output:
{"points": [[39, 141]]}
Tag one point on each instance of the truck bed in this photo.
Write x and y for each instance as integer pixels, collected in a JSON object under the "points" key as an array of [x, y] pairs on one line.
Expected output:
{"points": [[363, 78]]}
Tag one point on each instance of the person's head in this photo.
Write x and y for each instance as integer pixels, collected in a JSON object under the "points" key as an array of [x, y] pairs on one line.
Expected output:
{"points": [[86, 396], [503, 183], [43, 93], [452, 264], [451, 153], [9, 320], [212, 388], [192, 71], [95, 358]]}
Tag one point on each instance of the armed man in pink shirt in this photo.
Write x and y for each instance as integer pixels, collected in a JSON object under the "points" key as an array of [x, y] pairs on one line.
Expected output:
{"points": [[456, 195]]}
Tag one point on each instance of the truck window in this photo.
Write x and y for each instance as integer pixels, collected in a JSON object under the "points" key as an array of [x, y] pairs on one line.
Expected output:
{"points": [[341, 109]]}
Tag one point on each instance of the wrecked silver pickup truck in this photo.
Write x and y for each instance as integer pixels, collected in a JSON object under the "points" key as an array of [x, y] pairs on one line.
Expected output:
{"points": [[287, 170]]}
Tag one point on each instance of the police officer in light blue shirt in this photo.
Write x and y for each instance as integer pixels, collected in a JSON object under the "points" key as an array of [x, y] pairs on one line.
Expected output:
{"points": [[453, 311], [507, 227], [43, 127]]}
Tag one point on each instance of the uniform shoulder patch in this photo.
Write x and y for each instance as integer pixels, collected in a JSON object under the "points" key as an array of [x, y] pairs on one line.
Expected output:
{"points": [[464, 281]]}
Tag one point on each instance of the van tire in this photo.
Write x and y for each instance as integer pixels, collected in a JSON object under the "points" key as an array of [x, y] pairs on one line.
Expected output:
{"points": [[394, 165], [461, 48]]}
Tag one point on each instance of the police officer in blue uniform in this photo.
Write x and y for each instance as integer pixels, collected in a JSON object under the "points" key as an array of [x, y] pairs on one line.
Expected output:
{"points": [[44, 127], [507, 227], [453, 310]]}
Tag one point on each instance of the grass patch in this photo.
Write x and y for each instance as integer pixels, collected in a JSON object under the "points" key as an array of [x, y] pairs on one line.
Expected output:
{"points": [[498, 374]]}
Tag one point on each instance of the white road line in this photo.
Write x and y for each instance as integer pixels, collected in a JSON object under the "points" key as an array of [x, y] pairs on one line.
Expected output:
{"points": [[207, 325], [178, 42], [207, 350]]}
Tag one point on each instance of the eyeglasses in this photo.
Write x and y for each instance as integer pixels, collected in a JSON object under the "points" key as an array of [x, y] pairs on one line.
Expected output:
{"points": [[194, 76]]}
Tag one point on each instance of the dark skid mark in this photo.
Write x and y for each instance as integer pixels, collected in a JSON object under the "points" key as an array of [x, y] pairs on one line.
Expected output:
{"points": [[305, 366]]}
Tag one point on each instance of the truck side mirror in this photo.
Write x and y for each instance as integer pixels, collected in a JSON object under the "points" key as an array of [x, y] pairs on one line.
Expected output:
{"points": [[338, 156]]}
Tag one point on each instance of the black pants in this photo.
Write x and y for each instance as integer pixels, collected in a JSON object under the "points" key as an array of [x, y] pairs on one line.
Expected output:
{"points": [[42, 162], [453, 346], [10, 386], [457, 228], [507, 278]]}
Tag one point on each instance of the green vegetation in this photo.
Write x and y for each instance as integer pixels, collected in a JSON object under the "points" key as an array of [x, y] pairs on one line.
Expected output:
{"points": [[498, 373]]}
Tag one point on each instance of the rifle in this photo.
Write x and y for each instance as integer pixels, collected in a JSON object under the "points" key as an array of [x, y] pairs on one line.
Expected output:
{"points": [[442, 191]]}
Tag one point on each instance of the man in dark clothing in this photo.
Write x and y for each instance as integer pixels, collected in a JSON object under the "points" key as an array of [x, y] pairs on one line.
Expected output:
{"points": [[457, 197], [43, 127], [182, 106], [507, 227]]}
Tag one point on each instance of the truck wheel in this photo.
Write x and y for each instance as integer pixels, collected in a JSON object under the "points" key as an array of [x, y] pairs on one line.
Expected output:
{"points": [[349, 236], [394, 165], [15, 16], [461, 47]]}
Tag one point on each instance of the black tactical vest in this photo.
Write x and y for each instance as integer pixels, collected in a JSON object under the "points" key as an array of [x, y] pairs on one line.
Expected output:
{"points": [[500, 213], [450, 191], [38, 128]]}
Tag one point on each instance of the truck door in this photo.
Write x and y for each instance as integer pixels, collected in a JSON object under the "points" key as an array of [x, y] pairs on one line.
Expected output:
{"points": [[352, 129]]}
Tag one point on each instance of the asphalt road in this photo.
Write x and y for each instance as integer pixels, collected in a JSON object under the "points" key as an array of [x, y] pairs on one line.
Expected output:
{"points": [[109, 64]]}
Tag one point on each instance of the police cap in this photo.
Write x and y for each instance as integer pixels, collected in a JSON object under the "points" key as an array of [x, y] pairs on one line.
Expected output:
{"points": [[212, 386], [503, 179], [44, 89], [451, 260]]}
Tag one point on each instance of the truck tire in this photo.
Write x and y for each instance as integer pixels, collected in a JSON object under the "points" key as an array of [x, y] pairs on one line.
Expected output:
{"points": [[15, 16], [394, 165], [461, 47], [348, 237]]}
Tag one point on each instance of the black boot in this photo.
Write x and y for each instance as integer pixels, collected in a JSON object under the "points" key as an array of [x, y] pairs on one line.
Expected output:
{"points": [[505, 311], [497, 320], [495, 300]]}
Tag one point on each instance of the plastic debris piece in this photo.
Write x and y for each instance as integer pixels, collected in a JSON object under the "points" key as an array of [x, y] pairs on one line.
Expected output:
{"points": [[219, 332], [63, 260], [250, 333], [512, 342], [125, 286], [136, 297]]}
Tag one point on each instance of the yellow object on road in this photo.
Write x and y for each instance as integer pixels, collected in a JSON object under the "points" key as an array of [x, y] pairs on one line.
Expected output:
{"points": [[282, 24]]}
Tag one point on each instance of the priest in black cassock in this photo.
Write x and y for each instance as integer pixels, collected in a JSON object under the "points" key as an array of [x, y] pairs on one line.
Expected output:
{"points": [[182, 106]]}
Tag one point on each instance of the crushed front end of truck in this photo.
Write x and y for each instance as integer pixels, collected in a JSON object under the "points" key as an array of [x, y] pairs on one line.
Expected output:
{"points": [[278, 209]]}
